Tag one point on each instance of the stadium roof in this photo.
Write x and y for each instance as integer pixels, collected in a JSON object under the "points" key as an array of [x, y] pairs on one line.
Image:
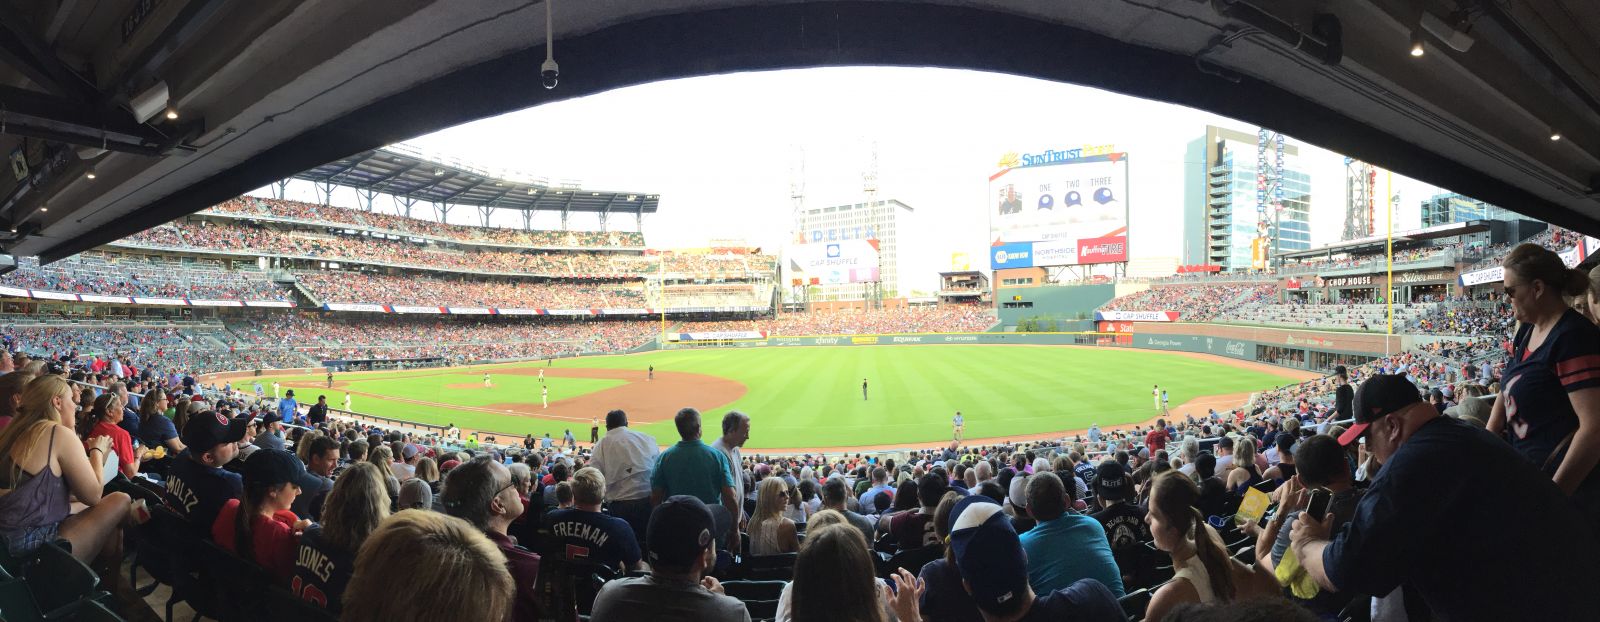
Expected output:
{"points": [[403, 171], [1376, 243], [266, 90]]}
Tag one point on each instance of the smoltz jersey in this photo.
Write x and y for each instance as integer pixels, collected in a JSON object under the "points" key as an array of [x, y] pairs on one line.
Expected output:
{"points": [[1539, 416], [198, 492], [321, 570], [592, 536]]}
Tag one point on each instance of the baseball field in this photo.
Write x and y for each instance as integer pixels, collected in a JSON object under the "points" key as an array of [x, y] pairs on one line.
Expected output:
{"points": [[809, 398]]}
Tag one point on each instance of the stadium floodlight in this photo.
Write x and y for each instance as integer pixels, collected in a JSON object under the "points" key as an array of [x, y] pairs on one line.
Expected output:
{"points": [[1416, 43], [149, 102], [1554, 135], [549, 72]]}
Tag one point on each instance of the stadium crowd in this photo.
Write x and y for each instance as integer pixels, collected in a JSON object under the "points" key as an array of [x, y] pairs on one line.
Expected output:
{"points": [[435, 291], [940, 319], [1195, 303], [105, 275], [392, 223]]}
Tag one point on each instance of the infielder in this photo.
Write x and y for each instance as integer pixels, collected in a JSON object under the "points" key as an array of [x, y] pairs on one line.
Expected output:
{"points": [[275, 394], [960, 425], [347, 400], [486, 383], [541, 376]]}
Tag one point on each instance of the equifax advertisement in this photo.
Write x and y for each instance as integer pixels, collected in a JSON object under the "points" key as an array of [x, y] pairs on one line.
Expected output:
{"points": [[1070, 205]]}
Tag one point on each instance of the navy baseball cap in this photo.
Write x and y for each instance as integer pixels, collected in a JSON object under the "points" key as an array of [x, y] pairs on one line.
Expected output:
{"points": [[1073, 198], [1047, 202], [271, 467], [988, 552], [1380, 395], [1103, 196], [211, 428], [680, 529]]}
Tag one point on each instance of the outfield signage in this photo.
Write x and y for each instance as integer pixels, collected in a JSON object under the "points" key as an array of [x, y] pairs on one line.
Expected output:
{"points": [[1136, 316], [422, 310], [722, 335], [39, 294], [1572, 257], [111, 299]]}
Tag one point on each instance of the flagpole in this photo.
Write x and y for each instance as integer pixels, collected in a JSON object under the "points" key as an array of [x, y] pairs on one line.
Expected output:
{"points": [[1388, 294]]}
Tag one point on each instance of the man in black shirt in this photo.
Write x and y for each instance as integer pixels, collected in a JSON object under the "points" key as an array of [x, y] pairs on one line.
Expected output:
{"points": [[1456, 514], [319, 411], [1342, 395]]}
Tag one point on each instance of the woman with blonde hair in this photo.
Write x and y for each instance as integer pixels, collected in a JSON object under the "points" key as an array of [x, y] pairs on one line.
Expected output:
{"points": [[770, 532], [381, 456], [464, 574], [42, 462], [1247, 472], [354, 508], [428, 472], [1204, 571]]}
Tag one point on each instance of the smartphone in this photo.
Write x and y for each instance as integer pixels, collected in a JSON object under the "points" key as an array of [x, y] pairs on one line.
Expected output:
{"points": [[1318, 506]]}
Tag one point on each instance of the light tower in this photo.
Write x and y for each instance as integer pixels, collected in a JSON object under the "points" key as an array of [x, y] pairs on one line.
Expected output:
{"points": [[869, 185], [797, 202], [1360, 193]]}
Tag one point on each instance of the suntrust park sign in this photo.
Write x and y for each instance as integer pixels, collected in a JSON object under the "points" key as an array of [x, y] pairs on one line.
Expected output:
{"points": [[1053, 156]]}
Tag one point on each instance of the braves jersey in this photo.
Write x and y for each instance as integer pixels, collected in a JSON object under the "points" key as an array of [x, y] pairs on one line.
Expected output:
{"points": [[1539, 416]]}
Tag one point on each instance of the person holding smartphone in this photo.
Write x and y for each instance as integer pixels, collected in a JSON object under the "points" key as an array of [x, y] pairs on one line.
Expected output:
{"points": [[1322, 485]]}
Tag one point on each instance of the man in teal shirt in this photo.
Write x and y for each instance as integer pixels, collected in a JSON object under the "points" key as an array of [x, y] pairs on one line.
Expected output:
{"points": [[694, 468], [1065, 546]]}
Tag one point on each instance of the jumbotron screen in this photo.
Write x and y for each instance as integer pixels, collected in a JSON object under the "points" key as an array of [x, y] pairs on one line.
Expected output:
{"points": [[1059, 207]]}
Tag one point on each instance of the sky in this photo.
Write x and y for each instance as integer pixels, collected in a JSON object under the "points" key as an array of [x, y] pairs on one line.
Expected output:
{"points": [[723, 152]]}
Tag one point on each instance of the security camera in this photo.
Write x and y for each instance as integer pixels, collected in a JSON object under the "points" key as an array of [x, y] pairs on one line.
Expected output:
{"points": [[550, 72]]}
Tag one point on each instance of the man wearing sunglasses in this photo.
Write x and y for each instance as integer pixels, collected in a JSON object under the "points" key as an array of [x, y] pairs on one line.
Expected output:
{"points": [[482, 493], [1453, 513]]}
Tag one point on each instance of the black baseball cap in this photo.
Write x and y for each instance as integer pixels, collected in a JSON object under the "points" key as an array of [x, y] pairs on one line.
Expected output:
{"points": [[271, 467], [1111, 481], [271, 416], [680, 529], [211, 428], [1380, 395]]}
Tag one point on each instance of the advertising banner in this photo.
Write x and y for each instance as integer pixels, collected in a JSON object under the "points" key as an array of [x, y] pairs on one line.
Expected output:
{"points": [[54, 295], [345, 306], [1103, 250], [468, 311], [1067, 195], [725, 334], [111, 299], [516, 311], [421, 310], [1572, 257], [843, 261], [276, 304], [1012, 255], [624, 311], [169, 302], [566, 312], [1117, 326], [1137, 316], [13, 291], [1056, 253], [215, 303]]}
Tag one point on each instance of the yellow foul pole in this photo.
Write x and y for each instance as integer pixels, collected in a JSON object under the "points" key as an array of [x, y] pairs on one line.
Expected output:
{"points": [[1388, 295]]}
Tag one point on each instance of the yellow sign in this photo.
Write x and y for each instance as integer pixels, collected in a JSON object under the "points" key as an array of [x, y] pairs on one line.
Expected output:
{"points": [[1258, 254], [864, 340], [1253, 507], [960, 262]]}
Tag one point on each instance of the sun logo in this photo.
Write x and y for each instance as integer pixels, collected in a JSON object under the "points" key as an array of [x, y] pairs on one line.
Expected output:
{"points": [[1010, 160]]}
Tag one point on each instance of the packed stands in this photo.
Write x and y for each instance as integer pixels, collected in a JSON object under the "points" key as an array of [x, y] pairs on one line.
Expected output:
{"points": [[942, 319], [138, 275], [434, 291], [1196, 303], [258, 207], [1363, 317]]}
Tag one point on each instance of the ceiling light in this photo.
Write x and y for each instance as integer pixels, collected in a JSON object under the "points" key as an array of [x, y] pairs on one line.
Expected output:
{"points": [[172, 114], [1416, 43], [90, 174], [437, 172], [44, 209], [1555, 135], [530, 191]]}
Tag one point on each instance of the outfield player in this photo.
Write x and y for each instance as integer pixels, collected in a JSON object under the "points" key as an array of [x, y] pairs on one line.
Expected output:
{"points": [[960, 425], [486, 383], [863, 389], [544, 393]]}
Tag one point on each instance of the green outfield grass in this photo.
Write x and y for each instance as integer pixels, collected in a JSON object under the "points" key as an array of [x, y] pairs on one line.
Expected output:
{"points": [[811, 397]]}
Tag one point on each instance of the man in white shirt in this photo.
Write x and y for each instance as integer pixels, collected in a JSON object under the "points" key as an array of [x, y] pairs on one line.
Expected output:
{"points": [[626, 458], [735, 431]]}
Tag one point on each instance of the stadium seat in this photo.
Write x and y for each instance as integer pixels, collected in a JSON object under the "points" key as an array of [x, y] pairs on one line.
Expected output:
{"points": [[90, 610], [239, 584], [281, 604], [568, 587], [1135, 603], [911, 559], [168, 550], [57, 580], [765, 567]]}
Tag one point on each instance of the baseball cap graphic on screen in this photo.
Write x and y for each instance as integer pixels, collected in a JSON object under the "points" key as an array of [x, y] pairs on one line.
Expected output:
{"points": [[1103, 196], [1047, 202], [1073, 198]]}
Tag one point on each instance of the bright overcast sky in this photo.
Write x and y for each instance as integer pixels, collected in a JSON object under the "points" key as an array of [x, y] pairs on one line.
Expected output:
{"points": [[723, 151]]}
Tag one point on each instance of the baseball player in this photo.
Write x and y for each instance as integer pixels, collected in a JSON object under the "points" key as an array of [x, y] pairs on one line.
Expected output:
{"points": [[347, 400], [330, 380], [652, 373], [1164, 402], [1155, 394], [275, 394], [541, 376], [863, 389], [544, 393], [960, 425], [486, 383]]}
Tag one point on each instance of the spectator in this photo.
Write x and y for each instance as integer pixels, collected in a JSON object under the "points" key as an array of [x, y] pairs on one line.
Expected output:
{"points": [[318, 414], [465, 576], [681, 547], [770, 532], [355, 508], [155, 429], [834, 497], [1064, 546], [42, 461], [1417, 527], [735, 431], [102, 420], [626, 459], [480, 492], [944, 599], [1322, 465], [258, 526], [1249, 472], [271, 436], [914, 529], [880, 485], [323, 455], [406, 467], [1123, 522], [197, 485], [588, 535], [416, 495], [559, 472], [12, 385], [994, 571], [1204, 571], [691, 467], [1344, 394], [1551, 402], [563, 493], [834, 580], [288, 411]]}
